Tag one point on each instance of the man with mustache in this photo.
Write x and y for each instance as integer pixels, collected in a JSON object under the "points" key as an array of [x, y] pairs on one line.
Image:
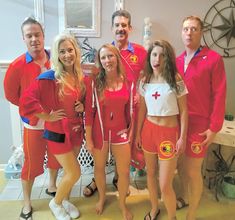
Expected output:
{"points": [[133, 58], [20, 74]]}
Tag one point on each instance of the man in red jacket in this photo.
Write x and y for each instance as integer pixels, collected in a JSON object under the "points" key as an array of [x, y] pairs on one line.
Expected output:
{"points": [[20, 74], [205, 78]]}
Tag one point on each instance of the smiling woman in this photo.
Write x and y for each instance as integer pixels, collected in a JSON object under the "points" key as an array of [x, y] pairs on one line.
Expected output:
{"points": [[80, 17]]}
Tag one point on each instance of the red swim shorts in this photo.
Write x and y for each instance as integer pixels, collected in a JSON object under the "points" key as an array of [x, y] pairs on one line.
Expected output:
{"points": [[159, 140]]}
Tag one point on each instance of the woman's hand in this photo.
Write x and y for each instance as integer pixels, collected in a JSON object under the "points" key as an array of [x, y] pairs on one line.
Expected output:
{"points": [[79, 107], [56, 115], [52, 116], [138, 142], [136, 99], [180, 146]]}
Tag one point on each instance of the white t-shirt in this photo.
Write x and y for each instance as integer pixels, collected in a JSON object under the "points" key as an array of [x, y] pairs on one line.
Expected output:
{"points": [[160, 99]]}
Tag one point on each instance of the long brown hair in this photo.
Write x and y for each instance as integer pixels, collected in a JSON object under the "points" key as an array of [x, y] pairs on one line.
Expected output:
{"points": [[169, 70]]}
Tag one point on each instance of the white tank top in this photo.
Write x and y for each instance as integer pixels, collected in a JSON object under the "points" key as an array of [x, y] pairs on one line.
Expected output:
{"points": [[160, 99]]}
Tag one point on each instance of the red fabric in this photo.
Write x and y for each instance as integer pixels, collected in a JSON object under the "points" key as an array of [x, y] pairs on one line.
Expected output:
{"points": [[159, 140], [205, 79], [19, 76], [134, 62], [116, 105], [42, 96], [34, 150], [193, 146]]}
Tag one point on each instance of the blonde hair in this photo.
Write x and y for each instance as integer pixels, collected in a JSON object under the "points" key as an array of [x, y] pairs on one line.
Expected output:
{"points": [[60, 74], [101, 77]]}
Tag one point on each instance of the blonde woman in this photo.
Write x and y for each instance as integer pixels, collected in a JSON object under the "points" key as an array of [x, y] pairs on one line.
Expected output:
{"points": [[56, 97]]}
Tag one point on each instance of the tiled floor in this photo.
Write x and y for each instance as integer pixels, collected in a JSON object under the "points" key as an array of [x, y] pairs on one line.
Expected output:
{"points": [[13, 189]]}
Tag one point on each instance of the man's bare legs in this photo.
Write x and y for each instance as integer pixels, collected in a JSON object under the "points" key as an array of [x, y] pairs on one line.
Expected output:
{"points": [[27, 186], [189, 170], [195, 183], [27, 189], [52, 180]]}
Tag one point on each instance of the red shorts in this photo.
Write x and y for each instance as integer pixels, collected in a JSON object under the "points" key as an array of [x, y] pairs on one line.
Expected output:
{"points": [[34, 152], [74, 140], [194, 149], [159, 140], [116, 135]]}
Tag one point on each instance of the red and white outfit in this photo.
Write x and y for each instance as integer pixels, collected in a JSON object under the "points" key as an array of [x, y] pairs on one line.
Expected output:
{"points": [[19, 76], [109, 116], [42, 96], [161, 100], [205, 79]]}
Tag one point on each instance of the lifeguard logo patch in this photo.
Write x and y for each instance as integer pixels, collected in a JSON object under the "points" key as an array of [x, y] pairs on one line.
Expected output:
{"points": [[167, 148], [133, 58], [196, 147]]}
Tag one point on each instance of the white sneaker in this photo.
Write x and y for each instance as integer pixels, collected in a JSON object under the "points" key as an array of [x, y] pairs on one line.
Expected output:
{"points": [[70, 209], [58, 211]]}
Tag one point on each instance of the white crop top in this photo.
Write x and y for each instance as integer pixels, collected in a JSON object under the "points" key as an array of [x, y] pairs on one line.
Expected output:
{"points": [[160, 99]]}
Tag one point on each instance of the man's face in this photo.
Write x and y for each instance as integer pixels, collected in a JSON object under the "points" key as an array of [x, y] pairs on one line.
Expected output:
{"points": [[33, 38], [121, 28], [191, 34]]}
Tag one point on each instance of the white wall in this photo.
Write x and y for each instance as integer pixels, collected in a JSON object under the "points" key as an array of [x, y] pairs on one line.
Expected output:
{"points": [[166, 16]]}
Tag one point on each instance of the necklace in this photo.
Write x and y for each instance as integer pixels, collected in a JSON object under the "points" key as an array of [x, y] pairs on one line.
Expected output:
{"points": [[42, 62]]}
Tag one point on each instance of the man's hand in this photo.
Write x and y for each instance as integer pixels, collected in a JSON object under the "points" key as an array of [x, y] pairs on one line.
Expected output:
{"points": [[209, 137]]}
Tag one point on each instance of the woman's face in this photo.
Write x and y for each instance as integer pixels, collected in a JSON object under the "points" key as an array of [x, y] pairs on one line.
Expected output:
{"points": [[156, 59], [108, 60], [67, 55]]}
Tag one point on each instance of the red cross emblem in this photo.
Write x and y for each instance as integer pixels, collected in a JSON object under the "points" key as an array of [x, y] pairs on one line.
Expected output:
{"points": [[155, 95], [124, 136]]}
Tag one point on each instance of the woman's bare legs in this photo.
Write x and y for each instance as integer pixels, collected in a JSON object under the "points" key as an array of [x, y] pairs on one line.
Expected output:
{"points": [[72, 173], [100, 157], [122, 155], [151, 167], [76, 151], [166, 175]]}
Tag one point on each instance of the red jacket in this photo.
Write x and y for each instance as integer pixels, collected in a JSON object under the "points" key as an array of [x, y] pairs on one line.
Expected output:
{"points": [[205, 79], [42, 96], [94, 112], [20, 74]]}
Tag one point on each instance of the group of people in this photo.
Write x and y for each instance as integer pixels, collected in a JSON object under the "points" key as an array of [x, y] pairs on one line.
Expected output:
{"points": [[168, 108]]}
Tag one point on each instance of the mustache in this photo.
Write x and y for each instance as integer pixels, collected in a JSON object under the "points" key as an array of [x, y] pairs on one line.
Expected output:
{"points": [[121, 32]]}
